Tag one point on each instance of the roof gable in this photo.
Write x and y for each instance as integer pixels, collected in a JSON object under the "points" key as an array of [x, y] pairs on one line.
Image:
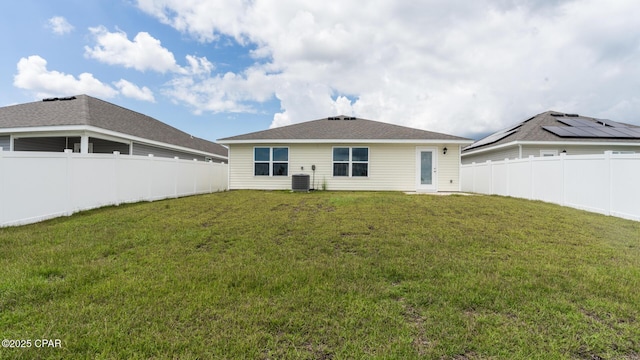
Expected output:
{"points": [[90, 111], [544, 128], [341, 128]]}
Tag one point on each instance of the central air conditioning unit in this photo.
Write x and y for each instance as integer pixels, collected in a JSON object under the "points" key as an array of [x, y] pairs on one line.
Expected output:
{"points": [[300, 182]]}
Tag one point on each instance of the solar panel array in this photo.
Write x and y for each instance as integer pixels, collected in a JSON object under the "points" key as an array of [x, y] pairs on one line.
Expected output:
{"points": [[584, 128], [494, 137]]}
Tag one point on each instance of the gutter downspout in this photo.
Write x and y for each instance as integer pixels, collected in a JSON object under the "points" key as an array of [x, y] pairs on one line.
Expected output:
{"points": [[519, 151]]}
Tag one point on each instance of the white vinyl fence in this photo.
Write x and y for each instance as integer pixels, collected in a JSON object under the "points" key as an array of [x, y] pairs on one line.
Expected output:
{"points": [[35, 185], [604, 183]]}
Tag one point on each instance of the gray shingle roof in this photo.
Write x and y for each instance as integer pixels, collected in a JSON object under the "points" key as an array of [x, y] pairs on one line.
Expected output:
{"points": [[532, 130], [337, 128], [87, 110]]}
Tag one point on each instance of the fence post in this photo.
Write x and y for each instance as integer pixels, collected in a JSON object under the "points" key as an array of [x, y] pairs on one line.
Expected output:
{"points": [[473, 176], [69, 189], [195, 178], [2, 175], [563, 178], [150, 178], [491, 176], [609, 169], [508, 178], [531, 190], [116, 162], [176, 160]]}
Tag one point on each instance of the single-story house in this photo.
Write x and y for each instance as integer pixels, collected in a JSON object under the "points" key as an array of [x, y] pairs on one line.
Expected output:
{"points": [[346, 153], [85, 124], [552, 133]]}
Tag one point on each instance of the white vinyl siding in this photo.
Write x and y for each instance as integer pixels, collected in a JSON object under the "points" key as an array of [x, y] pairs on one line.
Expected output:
{"points": [[510, 152], [449, 168], [391, 167], [574, 149]]}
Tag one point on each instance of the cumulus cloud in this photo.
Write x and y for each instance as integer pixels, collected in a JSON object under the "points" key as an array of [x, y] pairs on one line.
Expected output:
{"points": [[452, 66], [59, 25], [227, 92], [33, 75], [143, 53], [131, 90]]}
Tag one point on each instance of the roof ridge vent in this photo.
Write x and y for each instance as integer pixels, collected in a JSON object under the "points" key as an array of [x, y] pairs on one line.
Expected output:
{"points": [[59, 98], [571, 115]]}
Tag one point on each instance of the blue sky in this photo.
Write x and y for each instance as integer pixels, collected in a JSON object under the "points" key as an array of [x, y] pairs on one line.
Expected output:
{"points": [[221, 68]]}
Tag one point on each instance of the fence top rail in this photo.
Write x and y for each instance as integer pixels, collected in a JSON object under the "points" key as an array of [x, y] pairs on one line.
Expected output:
{"points": [[556, 158], [64, 155]]}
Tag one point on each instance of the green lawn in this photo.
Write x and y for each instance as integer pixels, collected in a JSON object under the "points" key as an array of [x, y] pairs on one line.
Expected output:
{"points": [[324, 275]]}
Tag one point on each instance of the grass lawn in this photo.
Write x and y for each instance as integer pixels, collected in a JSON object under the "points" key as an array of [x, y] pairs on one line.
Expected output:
{"points": [[324, 275]]}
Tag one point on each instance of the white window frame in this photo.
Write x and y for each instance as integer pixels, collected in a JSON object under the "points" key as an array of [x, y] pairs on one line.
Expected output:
{"points": [[350, 162], [271, 161], [620, 152]]}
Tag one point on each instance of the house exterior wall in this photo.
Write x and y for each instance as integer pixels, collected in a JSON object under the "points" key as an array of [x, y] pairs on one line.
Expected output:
{"points": [[511, 152], [534, 150], [391, 167], [5, 142], [145, 150]]}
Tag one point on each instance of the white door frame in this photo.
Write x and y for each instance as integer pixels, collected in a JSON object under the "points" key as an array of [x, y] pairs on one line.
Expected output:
{"points": [[433, 187]]}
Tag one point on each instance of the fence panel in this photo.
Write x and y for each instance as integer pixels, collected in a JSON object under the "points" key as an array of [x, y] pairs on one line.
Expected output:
{"points": [[625, 186], [38, 186], [603, 183], [548, 179]]}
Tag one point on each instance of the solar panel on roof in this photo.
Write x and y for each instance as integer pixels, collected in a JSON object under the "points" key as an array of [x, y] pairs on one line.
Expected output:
{"points": [[492, 138], [614, 132], [611, 123], [632, 132], [595, 131], [559, 130], [580, 132], [578, 122]]}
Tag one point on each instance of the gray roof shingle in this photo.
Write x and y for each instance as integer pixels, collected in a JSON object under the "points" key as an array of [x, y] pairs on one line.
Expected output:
{"points": [[87, 110], [532, 130], [341, 129]]}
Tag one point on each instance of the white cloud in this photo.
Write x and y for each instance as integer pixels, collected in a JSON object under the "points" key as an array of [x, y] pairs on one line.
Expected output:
{"points": [[131, 90], [33, 75], [228, 92], [452, 66], [59, 25], [143, 53]]}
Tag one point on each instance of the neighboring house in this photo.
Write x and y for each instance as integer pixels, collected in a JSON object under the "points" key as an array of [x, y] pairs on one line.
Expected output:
{"points": [[552, 133], [346, 153], [85, 124]]}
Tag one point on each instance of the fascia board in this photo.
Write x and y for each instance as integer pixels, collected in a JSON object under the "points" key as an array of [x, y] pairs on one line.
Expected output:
{"points": [[343, 141], [550, 143]]}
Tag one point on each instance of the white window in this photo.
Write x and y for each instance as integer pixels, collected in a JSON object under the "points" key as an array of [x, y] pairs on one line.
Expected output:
{"points": [[351, 161], [544, 153], [271, 161]]}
